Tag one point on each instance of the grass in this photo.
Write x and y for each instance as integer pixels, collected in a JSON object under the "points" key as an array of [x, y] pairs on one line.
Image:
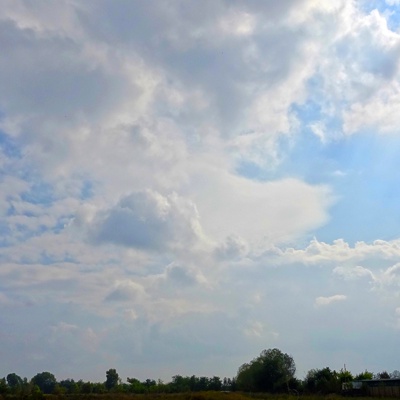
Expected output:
{"points": [[189, 396]]}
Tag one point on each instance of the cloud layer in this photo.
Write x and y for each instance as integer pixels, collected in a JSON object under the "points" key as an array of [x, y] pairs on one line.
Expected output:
{"points": [[171, 173]]}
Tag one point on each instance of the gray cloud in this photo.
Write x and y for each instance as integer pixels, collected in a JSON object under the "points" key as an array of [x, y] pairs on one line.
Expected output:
{"points": [[123, 123], [147, 220]]}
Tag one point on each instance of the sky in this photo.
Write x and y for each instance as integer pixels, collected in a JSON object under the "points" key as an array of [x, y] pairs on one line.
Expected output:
{"points": [[186, 183]]}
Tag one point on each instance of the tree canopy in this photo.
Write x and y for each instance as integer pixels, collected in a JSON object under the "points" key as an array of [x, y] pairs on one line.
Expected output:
{"points": [[46, 381], [271, 372], [112, 378]]}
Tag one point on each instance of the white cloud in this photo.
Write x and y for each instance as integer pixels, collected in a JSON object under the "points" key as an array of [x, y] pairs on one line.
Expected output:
{"points": [[185, 276], [325, 301], [124, 206], [392, 2], [127, 291], [149, 221], [233, 247], [64, 327], [354, 272], [259, 212], [254, 329]]}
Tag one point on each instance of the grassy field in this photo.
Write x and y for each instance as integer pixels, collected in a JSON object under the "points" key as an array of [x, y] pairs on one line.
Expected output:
{"points": [[185, 396], [192, 396]]}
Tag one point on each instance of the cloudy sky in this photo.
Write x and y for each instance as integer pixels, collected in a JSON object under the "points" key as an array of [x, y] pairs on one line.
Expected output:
{"points": [[187, 183]]}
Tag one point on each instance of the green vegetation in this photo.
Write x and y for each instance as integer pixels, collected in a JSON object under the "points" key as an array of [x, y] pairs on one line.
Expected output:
{"points": [[272, 371], [270, 375]]}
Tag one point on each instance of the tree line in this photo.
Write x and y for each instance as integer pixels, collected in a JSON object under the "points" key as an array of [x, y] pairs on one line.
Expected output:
{"points": [[272, 371], [46, 383]]}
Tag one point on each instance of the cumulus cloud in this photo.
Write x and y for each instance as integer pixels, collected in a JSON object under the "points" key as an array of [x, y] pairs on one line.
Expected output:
{"points": [[340, 250], [325, 301], [351, 273], [390, 277], [150, 164], [265, 212], [184, 275], [147, 220], [127, 291], [233, 247]]}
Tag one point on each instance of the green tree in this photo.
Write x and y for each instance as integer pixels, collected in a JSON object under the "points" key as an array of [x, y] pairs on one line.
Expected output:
{"points": [[180, 384], [112, 379], [46, 382], [36, 393], [270, 372], [245, 379], [322, 381], [3, 386], [135, 386], [364, 376], [345, 376], [383, 375], [98, 387], [86, 387], [215, 383], [26, 388], [69, 385], [14, 382], [202, 383]]}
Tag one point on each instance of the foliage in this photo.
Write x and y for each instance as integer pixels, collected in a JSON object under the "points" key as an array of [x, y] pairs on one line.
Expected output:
{"points": [[395, 374], [270, 372], [382, 375], [3, 386], [46, 382], [364, 376], [14, 381], [345, 376], [69, 385], [322, 381], [36, 393], [112, 379]]}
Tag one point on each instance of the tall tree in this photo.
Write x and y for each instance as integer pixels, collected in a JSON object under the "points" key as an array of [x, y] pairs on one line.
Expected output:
{"points": [[14, 381], [271, 372], [45, 381], [112, 379], [322, 380]]}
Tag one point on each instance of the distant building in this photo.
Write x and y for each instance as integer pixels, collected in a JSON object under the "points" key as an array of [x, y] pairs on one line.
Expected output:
{"points": [[373, 387]]}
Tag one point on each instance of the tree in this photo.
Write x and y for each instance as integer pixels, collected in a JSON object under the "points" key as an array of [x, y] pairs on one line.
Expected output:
{"points": [[395, 374], [345, 376], [112, 379], [271, 372], [45, 381], [364, 376], [15, 382], [70, 386], [3, 386], [322, 381], [36, 393], [383, 375], [215, 383], [135, 386], [180, 384]]}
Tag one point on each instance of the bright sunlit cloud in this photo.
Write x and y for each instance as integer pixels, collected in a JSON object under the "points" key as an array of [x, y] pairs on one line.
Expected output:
{"points": [[181, 184]]}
